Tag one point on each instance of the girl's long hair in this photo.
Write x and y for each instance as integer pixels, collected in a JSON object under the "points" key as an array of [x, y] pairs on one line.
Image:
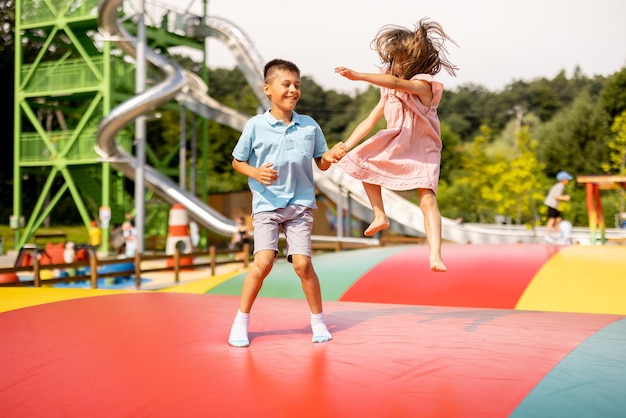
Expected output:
{"points": [[418, 51]]}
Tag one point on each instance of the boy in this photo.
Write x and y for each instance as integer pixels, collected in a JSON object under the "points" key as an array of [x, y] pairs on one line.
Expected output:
{"points": [[552, 200], [275, 152]]}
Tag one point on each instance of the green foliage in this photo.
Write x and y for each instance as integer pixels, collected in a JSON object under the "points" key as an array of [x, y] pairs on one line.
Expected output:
{"points": [[472, 185], [496, 183], [617, 146], [617, 157], [451, 152], [520, 184], [613, 95], [575, 139], [77, 234], [361, 106]]}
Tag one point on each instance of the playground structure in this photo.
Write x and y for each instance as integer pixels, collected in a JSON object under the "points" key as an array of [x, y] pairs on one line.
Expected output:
{"points": [[88, 89], [593, 185]]}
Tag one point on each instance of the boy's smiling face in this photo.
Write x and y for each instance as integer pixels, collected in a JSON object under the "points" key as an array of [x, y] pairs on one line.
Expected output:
{"points": [[283, 89]]}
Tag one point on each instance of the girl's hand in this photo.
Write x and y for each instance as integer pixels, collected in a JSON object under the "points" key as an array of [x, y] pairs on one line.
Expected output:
{"points": [[265, 174], [339, 150], [336, 153], [348, 73]]}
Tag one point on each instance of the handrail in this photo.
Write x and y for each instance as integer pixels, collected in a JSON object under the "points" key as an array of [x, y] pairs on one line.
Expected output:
{"points": [[318, 242], [94, 264]]}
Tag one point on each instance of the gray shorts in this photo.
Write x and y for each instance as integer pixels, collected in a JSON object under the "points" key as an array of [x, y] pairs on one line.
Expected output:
{"points": [[297, 223]]}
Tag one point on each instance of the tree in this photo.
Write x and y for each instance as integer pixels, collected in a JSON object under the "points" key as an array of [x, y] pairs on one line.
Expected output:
{"points": [[613, 96], [617, 156], [475, 185], [575, 139], [520, 184], [617, 145]]}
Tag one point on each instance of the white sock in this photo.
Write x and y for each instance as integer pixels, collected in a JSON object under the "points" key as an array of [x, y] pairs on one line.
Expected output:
{"points": [[239, 331], [320, 331]]}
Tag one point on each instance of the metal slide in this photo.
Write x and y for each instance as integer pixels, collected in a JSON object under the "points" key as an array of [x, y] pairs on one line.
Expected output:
{"points": [[190, 91]]}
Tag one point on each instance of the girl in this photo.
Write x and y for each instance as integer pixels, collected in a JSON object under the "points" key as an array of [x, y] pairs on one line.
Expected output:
{"points": [[407, 154]]}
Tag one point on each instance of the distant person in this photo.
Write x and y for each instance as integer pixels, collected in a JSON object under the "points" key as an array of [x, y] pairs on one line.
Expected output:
{"points": [[194, 234], [553, 198], [275, 151], [69, 256], [118, 239], [240, 237], [130, 239], [565, 232], [95, 234], [406, 155]]}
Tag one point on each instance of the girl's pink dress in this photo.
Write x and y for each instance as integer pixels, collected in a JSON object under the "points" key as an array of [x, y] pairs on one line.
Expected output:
{"points": [[407, 154]]}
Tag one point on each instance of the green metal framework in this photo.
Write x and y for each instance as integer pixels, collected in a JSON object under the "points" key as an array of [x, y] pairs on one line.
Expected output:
{"points": [[61, 94]]}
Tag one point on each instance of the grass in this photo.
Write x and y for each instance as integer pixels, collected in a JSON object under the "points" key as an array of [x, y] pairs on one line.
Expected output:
{"points": [[75, 233]]}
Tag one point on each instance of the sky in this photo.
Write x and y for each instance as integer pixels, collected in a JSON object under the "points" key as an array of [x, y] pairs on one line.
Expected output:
{"points": [[499, 41]]}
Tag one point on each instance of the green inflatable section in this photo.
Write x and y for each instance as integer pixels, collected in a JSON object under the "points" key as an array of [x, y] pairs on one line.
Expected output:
{"points": [[590, 379], [337, 272]]}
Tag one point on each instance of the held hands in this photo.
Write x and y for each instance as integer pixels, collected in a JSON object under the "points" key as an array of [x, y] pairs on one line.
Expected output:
{"points": [[336, 153], [265, 174]]}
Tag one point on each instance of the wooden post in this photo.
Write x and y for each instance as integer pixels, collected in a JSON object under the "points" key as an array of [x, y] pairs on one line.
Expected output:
{"points": [[36, 273], [93, 270], [137, 270], [213, 258], [176, 264]]}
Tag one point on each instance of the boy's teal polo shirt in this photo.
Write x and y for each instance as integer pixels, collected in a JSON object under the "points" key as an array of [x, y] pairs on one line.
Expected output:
{"points": [[291, 150]]}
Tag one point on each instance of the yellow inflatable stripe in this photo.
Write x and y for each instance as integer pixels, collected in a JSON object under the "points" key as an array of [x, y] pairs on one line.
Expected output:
{"points": [[202, 285], [585, 279], [22, 297]]}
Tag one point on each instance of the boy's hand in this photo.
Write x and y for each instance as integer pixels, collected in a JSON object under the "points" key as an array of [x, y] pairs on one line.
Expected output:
{"points": [[265, 174], [336, 153]]}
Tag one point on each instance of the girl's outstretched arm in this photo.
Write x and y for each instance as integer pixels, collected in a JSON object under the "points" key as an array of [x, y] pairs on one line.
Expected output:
{"points": [[420, 88]]}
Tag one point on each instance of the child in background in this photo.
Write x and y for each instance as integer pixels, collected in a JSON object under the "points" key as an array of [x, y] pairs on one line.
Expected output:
{"points": [[240, 237], [95, 235], [407, 154], [130, 239], [276, 151], [552, 200]]}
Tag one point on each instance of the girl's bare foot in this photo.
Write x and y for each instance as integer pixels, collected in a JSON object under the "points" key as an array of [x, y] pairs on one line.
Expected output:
{"points": [[376, 226], [436, 265]]}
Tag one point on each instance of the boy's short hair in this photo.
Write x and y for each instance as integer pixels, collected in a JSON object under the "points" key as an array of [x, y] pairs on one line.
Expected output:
{"points": [[278, 65]]}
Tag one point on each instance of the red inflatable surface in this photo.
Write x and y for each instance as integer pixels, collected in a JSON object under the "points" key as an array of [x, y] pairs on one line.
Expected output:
{"points": [[478, 275], [165, 355]]}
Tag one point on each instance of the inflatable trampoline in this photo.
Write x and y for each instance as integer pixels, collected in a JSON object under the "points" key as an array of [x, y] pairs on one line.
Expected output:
{"points": [[104, 353]]}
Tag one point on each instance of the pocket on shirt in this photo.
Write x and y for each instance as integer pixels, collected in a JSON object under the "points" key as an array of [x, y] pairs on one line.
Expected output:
{"points": [[305, 147]]}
